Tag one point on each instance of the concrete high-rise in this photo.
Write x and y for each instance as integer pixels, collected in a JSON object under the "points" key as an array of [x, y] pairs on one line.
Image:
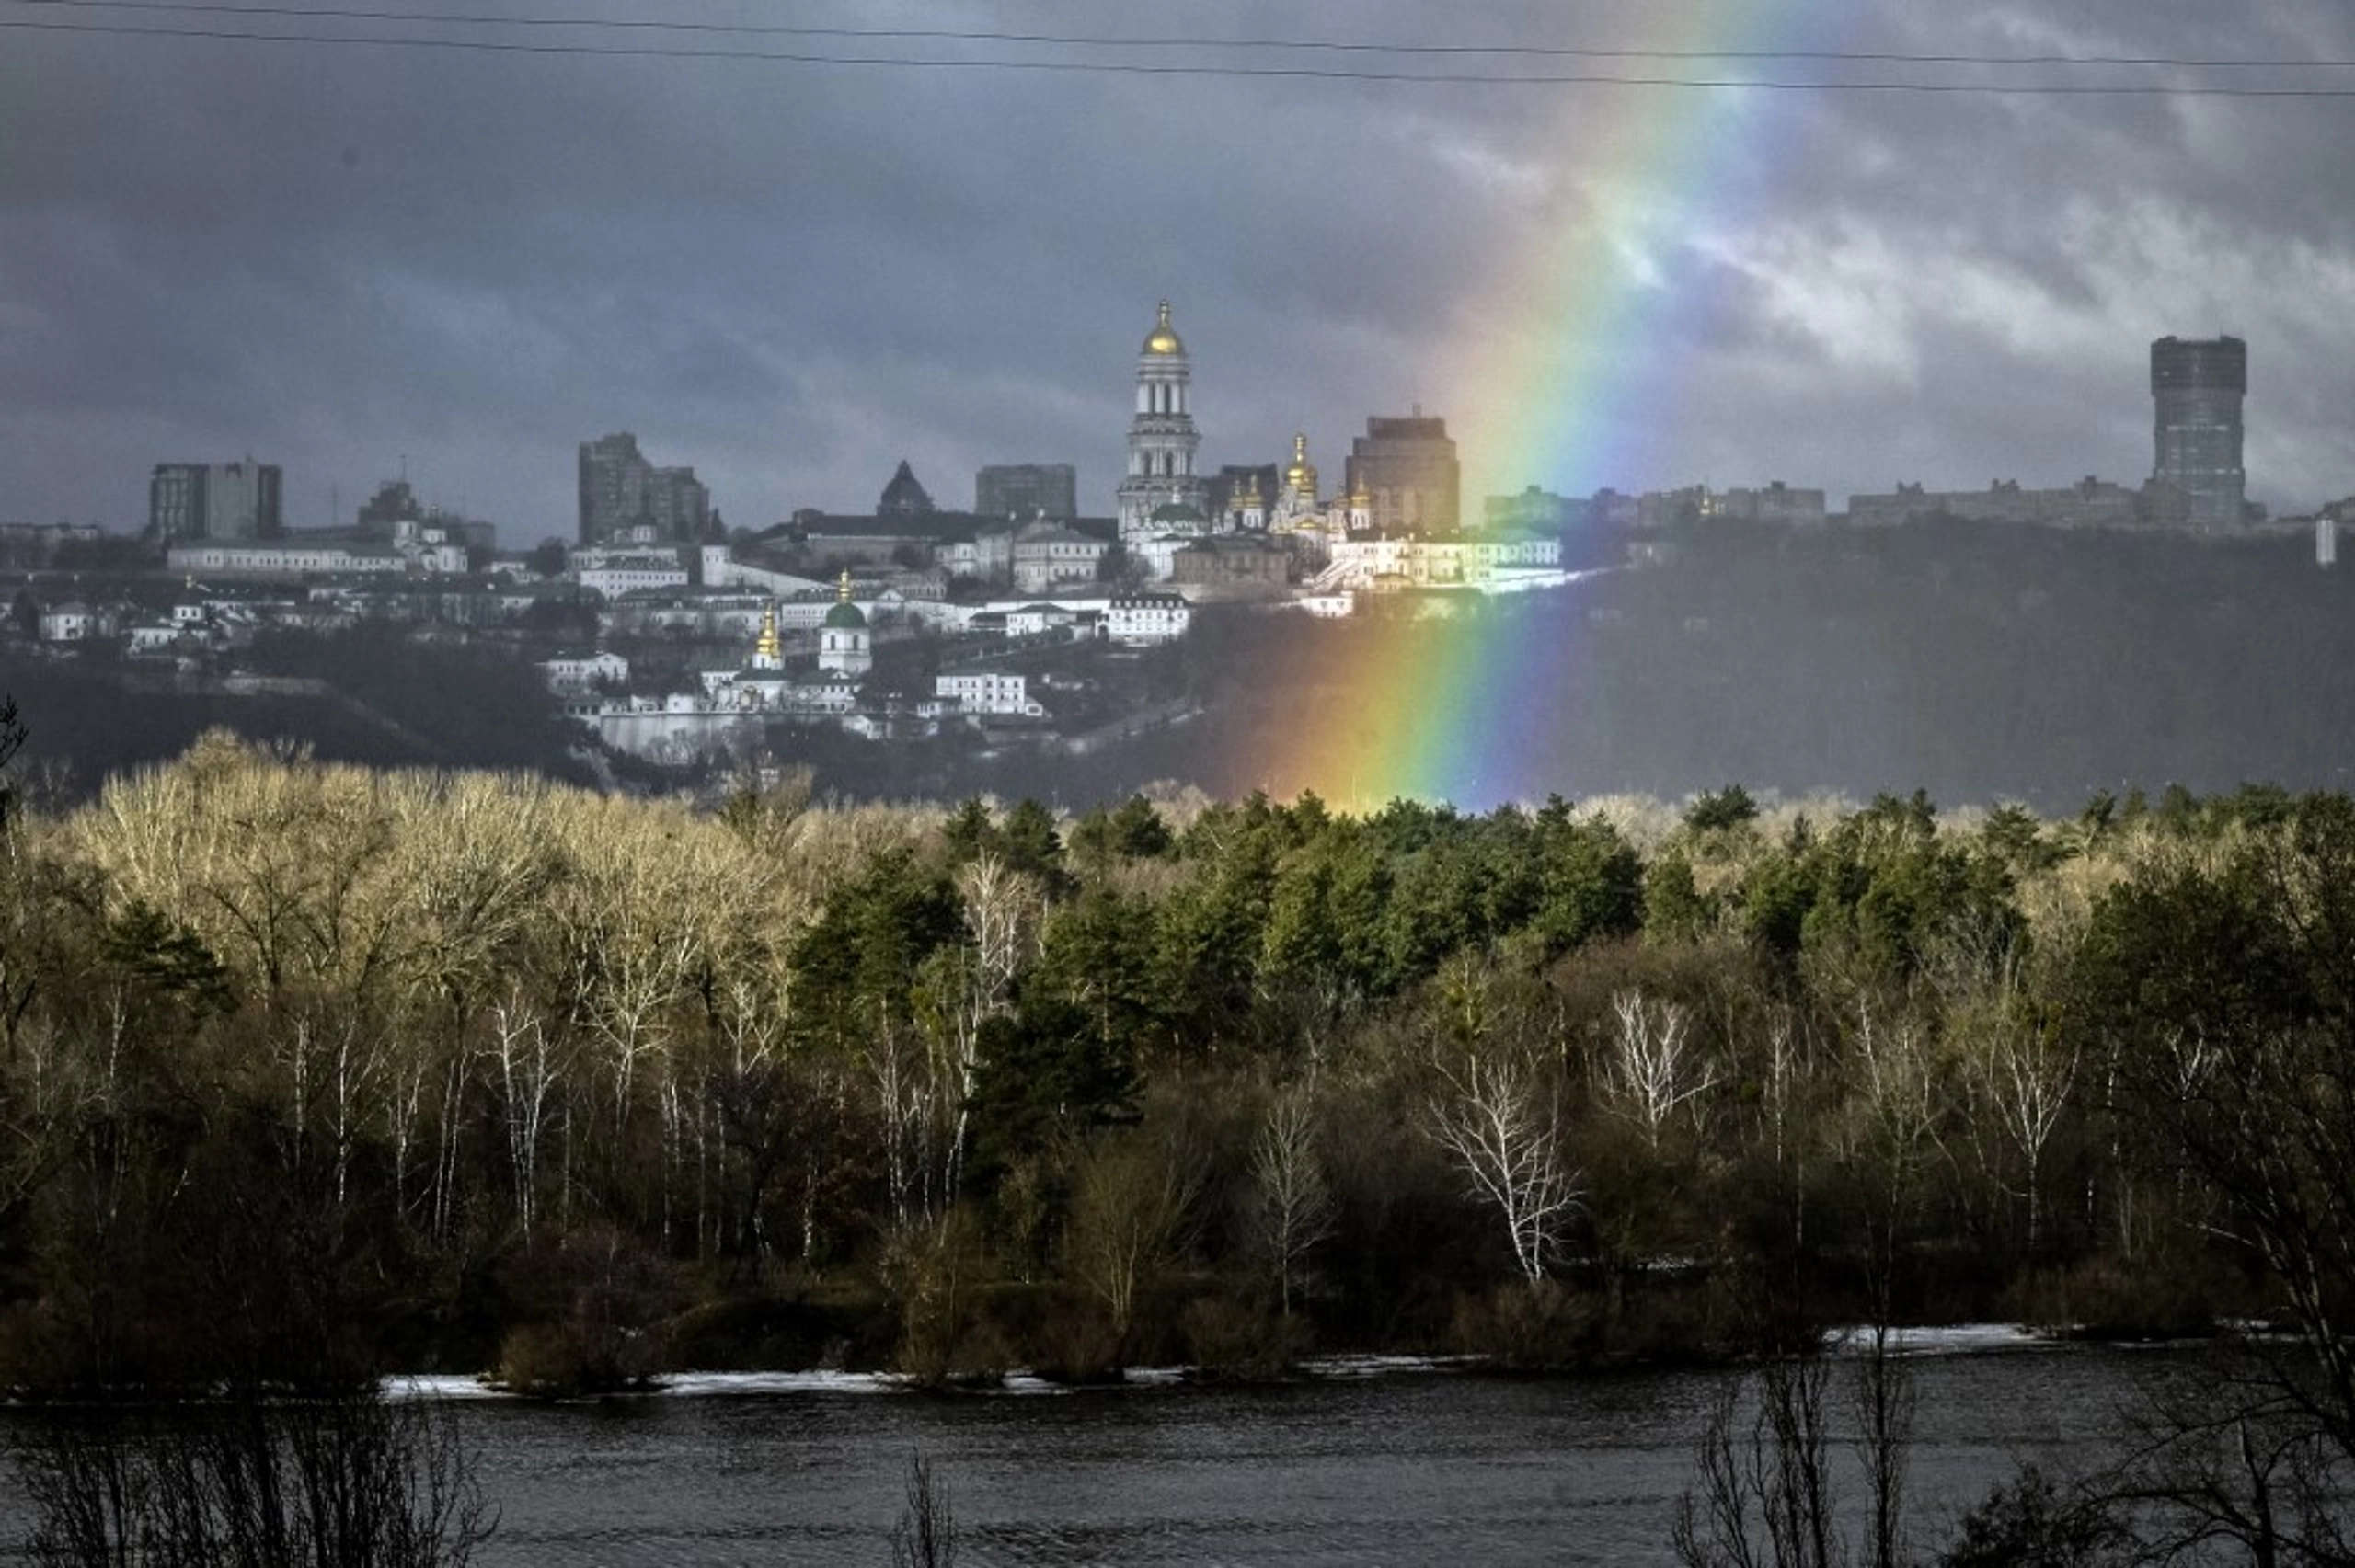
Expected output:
{"points": [[624, 497], [216, 500], [2196, 386], [1410, 469]]}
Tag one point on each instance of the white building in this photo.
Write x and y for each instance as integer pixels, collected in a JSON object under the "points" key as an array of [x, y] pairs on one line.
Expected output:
{"points": [[1143, 619], [570, 675], [151, 637], [74, 621], [988, 691], [1038, 620], [613, 573], [987, 556], [1047, 555], [1454, 561], [284, 558], [722, 569]]}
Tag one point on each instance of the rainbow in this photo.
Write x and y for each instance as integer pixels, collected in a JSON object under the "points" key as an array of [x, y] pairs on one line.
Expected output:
{"points": [[1575, 380]]}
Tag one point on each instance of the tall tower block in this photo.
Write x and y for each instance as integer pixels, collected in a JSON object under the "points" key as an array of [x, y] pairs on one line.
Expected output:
{"points": [[2196, 386]]}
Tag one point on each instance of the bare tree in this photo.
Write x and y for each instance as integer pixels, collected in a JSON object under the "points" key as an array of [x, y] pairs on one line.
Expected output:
{"points": [[1504, 1130], [1291, 1206], [1765, 1497], [2025, 1073], [1133, 1203], [346, 1479], [1653, 1069], [925, 1536], [527, 1065]]}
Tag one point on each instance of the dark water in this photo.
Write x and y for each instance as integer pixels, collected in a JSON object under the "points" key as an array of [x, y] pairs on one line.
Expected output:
{"points": [[1418, 1469]]}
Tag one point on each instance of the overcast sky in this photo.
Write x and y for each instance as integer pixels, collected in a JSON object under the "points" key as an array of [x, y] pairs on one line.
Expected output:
{"points": [[792, 275]]}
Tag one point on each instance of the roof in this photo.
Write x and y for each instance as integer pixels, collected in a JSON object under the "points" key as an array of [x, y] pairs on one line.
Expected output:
{"points": [[904, 497], [846, 615], [1163, 339]]}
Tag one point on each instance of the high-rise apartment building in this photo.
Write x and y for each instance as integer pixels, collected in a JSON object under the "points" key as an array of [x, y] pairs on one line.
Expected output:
{"points": [[625, 499], [1026, 491], [1407, 467], [216, 500], [2196, 386]]}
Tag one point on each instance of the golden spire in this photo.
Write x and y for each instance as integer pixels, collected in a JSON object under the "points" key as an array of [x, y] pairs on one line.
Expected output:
{"points": [[768, 647], [842, 589]]}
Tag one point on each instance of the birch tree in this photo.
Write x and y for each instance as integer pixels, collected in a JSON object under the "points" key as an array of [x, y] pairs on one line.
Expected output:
{"points": [[1291, 1207], [1651, 1069], [1498, 1121]]}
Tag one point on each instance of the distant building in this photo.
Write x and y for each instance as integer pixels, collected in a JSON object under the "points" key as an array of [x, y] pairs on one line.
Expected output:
{"points": [[615, 571], [216, 500], [626, 499], [2089, 503], [1242, 494], [1534, 509], [990, 693], [382, 515], [1048, 556], [74, 621], [845, 646], [1408, 467], [1027, 491], [904, 496], [1162, 437], [2196, 386], [36, 544], [986, 555], [1232, 560], [1778, 505], [577, 674], [1399, 560], [1140, 620]]}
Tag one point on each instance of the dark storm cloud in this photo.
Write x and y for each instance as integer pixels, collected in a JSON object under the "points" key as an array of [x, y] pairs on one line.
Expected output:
{"points": [[792, 277]]}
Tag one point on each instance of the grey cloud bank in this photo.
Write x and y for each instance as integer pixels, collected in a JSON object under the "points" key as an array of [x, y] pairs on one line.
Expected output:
{"points": [[792, 276]]}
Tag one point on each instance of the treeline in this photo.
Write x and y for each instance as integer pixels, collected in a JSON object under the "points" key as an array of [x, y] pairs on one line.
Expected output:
{"points": [[307, 1066], [1980, 660]]}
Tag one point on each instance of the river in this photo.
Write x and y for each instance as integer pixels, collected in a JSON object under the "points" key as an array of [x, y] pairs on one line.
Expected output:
{"points": [[1407, 1466]]}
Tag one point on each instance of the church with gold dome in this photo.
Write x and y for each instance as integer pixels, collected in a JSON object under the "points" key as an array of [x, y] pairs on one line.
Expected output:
{"points": [[1169, 510]]}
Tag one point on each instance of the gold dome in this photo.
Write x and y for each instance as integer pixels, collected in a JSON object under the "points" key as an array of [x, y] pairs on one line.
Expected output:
{"points": [[1164, 341], [1300, 477]]}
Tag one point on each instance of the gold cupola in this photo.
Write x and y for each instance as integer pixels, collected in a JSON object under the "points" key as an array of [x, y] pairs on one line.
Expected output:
{"points": [[1163, 339], [768, 651], [1300, 474]]}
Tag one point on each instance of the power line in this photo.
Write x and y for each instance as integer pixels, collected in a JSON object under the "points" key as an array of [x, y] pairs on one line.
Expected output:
{"points": [[1152, 42], [1144, 68]]}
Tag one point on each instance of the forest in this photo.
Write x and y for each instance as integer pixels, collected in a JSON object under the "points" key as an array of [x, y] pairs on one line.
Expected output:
{"points": [[482, 1072], [313, 1073]]}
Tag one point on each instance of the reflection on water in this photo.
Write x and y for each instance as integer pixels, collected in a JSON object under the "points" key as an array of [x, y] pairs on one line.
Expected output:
{"points": [[1406, 1469]]}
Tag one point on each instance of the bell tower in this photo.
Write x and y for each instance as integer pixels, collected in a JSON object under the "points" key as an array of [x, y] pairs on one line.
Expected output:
{"points": [[1161, 438]]}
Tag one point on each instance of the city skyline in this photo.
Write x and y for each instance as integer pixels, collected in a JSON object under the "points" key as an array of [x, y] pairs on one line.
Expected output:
{"points": [[789, 276]]}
